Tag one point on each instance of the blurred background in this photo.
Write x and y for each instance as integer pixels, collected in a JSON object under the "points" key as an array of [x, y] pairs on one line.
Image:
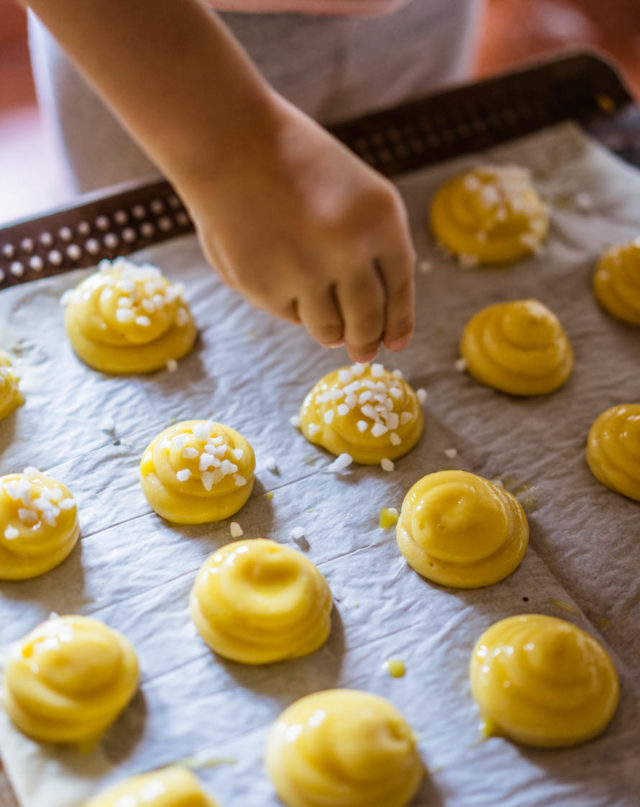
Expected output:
{"points": [[513, 31]]}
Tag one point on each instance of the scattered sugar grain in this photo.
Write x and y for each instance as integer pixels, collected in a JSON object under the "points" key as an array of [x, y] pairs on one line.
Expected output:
{"points": [[172, 365], [270, 464], [236, 530], [294, 420], [451, 452], [341, 462], [422, 395], [460, 365], [387, 464]]}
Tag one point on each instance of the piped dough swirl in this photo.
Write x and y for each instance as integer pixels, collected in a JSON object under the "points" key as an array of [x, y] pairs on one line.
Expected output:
{"points": [[38, 524], [491, 214], [10, 396], [257, 602], [518, 347], [542, 681], [69, 679], [613, 449], [197, 471], [364, 411], [461, 530], [343, 748], [171, 787], [128, 319], [616, 282]]}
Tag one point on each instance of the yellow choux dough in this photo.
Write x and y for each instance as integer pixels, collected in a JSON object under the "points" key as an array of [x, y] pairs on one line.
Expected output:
{"points": [[343, 748], [256, 602], [10, 396], [613, 449], [197, 471], [518, 347], [364, 411], [491, 214], [38, 524], [542, 681], [461, 530], [69, 679], [171, 787], [128, 319], [616, 283]]}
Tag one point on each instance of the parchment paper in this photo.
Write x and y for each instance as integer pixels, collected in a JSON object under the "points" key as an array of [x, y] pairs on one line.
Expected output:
{"points": [[134, 570]]}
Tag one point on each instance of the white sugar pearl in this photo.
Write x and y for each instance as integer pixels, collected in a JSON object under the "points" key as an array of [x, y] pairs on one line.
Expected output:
{"points": [[11, 533], [328, 416], [190, 452], [343, 409], [236, 530], [395, 439], [406, 417], [183, 475], [378, 429], [239, 480], [362, 425], [377, 370], [341, 462], [421, 395], [294, 420]]}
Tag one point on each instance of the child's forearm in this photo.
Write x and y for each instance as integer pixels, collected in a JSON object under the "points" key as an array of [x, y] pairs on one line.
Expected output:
{"points": [[169, 69]]}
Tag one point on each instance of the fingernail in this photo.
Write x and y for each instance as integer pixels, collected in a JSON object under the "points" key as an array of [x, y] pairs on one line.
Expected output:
{"points": [[334, 345], [398, 344]]}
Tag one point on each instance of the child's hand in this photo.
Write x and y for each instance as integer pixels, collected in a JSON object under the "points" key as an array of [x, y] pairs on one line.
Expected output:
{"points": [[305, 230]]}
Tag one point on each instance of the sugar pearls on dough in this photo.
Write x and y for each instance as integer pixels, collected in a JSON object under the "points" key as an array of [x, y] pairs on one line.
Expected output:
{"points": [[364, 411], [542, 681], [257, 602], [197, 471], [613, 449], [616, 283], [38, 524], [518, 347], [69, 679], [461, 530], [128, 319], [491, 214], [171, 787], [10, 396], [346, 748]]}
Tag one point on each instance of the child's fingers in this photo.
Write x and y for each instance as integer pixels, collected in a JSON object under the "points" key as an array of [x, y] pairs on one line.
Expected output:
{"points": [[397, 273], [320, 314], [362, 301]]}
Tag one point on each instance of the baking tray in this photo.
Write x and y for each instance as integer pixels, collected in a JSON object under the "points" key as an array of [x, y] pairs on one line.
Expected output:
{"points": [[579, 87]]}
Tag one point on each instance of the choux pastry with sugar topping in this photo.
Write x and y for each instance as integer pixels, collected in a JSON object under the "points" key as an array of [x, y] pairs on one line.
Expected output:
{"points": [[491, 214], [542, 681], [197, 471], [613, 449], [171, 787], [128, 319], [10, 396], [461, 530], [518, 347], [364, 411], [345, 748], [38, 524], [616, 282], [256, 602], [69, 679]]}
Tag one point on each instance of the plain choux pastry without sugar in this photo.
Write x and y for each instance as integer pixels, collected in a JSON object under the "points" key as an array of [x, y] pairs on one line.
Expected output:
{"points": [[69, 679], [256, 602], [491, 214], [38, 524], [10, 396], [171, 787], [197, 471], [364, 411], [542, 681], [343, 748], [461, 530], [616, 282], [518, 347], [613, 449], [128, 319]]}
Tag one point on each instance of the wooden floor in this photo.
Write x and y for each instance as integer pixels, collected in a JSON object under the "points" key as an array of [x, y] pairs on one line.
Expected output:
{"points": [[513, 31]]}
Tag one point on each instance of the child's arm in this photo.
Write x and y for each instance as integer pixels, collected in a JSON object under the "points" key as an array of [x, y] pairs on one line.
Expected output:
{"points": [[288, 216]]}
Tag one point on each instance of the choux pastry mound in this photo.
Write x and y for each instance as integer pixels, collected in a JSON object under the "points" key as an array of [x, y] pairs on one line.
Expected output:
{"points": [[128, 319], [197, 471], [461, 530], [613, 449], [38, 524], [543, 682], [69, 679], [256, 602], [491, 214], [364, 411], [171, 787], [518, 347], [343, 748], [10, 396], [616, 282]]}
